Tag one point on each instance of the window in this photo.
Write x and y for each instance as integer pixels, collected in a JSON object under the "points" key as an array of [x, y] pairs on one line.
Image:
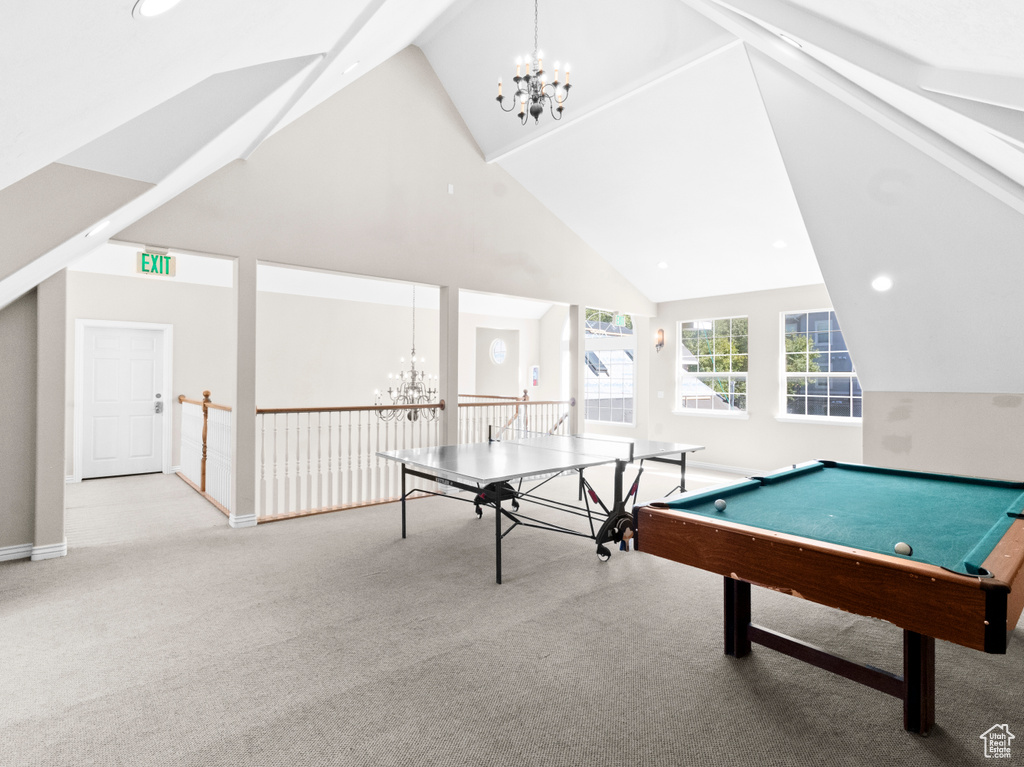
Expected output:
{"points": [[498, 351], [820, 378], [712, 366], [609, 371]]}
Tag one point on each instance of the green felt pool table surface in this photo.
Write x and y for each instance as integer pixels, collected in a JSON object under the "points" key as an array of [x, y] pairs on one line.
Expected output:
{"points": [[949, 521]]}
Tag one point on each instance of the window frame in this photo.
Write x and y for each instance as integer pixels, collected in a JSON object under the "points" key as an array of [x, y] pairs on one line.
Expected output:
{"points": [[627, 342], [680, 374], [785, 375]]}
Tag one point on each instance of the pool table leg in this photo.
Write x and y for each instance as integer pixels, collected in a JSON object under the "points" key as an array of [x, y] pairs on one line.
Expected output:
{"points": [[916, 687], [919, 682], [737, 617]]}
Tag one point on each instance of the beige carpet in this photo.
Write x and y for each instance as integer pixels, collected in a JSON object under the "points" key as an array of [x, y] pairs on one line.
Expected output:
{"points": [[167, 638]]}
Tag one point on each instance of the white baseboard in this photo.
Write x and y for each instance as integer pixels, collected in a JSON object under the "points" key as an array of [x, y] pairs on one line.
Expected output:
{"points": [[22, 551], [242, 520], [70, 479], [173, 470], [725, 469], [52, 551]]}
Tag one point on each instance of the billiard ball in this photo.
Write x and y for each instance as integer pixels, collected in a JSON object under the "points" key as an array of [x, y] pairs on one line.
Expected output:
{"points": [[720, 504], [903, 548]]}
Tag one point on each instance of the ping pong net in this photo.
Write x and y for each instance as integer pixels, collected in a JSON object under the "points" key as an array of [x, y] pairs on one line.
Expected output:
{"points": [[612, 448]]}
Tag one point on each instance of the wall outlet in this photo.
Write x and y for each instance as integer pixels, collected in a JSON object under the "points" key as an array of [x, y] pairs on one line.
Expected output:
{"points": [[661, 395]]}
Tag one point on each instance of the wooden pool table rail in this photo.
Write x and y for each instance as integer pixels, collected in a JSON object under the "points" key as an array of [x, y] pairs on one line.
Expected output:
{"points": [[967, 610]]}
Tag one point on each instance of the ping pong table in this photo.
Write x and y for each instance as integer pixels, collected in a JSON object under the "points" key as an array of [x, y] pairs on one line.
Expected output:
{"points": [[512, 466]]}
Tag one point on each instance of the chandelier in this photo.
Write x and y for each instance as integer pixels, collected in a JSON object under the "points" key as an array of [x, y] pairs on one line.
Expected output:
{"points": [[410, 387], [533, 91]]}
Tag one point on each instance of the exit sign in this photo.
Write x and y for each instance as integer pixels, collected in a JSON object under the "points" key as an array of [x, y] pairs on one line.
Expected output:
{"points": [[155, 263]]}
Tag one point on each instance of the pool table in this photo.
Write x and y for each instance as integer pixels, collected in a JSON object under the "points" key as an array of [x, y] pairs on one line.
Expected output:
{"points": [[828, 532]]}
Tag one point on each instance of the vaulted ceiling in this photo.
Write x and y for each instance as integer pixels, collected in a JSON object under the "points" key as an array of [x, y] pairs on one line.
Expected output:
{"points": [[668, 162]]}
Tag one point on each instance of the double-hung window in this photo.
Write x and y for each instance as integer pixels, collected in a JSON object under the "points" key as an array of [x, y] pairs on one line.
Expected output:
{"points": [[609, 370], [712, 365], [819, 377]]}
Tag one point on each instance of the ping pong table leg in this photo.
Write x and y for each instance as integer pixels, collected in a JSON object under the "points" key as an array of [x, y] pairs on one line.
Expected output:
{"points": [[618, 502], [403, 500], [682, 472], [497, 537]]}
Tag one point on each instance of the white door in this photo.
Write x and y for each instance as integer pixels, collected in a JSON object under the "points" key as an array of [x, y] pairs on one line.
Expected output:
{"points": [[122, 431]]}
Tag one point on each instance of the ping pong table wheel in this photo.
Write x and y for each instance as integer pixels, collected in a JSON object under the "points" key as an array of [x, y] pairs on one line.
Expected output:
{"points": [[603, 553]]}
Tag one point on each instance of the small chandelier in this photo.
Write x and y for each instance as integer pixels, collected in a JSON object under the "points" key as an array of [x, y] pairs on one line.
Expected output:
{"points": [[533, 91], [411, 387]]}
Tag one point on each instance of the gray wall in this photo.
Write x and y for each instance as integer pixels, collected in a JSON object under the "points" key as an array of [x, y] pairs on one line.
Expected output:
{"points": [[360, 185], [959, 433], [18, 421]]}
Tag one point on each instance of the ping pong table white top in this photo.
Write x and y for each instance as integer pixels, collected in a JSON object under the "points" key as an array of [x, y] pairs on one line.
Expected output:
{"points": [[488, 462]]}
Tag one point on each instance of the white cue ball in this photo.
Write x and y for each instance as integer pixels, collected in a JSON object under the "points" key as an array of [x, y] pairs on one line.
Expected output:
{"points": [[720, 504], [903, 548]]}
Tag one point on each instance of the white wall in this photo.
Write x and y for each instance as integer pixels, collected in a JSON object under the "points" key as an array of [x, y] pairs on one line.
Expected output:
{"points": [[759, 442], [502, 379], [204, 332], [529, 353], [551, 327], [324, 352]]}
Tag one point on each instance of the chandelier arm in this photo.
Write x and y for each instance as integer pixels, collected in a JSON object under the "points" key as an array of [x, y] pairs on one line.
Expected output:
{"points": [[515, 103]]}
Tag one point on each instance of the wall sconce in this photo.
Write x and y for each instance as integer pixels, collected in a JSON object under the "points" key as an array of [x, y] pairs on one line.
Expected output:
{"points": [[659, 340]]}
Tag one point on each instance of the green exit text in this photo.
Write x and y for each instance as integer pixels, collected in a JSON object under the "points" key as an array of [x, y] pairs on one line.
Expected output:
{"points": [[154, 263]]}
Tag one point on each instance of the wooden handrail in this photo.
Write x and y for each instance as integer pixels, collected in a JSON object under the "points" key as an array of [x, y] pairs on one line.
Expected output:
{"points": [[269, 411], [503, 397], [561, 420], [519, 402], [214, 405]]}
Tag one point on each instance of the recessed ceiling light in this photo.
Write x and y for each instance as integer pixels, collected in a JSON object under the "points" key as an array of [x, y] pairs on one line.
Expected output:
{"points": [[881, 283], [662, 265], [149, 8], [779, 244], [98, 228], [350, 67]]}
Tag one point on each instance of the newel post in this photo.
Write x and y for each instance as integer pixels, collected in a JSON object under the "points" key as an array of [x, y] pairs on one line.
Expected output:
{"points": [[206, 418]]}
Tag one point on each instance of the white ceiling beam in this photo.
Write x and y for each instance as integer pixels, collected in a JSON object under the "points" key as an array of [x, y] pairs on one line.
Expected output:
{"points": [[764, 37], [617, 98], [327, 59]]}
